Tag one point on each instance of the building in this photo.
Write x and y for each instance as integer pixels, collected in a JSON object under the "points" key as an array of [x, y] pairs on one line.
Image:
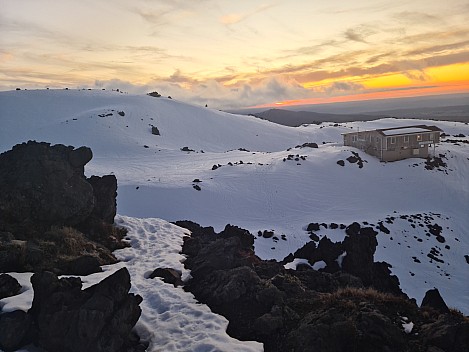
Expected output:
{"points": [[396, 143]]}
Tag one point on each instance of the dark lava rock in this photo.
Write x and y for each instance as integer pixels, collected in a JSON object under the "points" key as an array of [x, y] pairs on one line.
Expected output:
{"points": [[308, 310], [306, 252], [308, 145], [267, 234], [352, 159], [333, 226], [15, 330], [360, 249], [353, 229], [155, 131], [340, 162], [51, 213], [84, 265], [334, 330], [187, 149], [105, 193], [43, 185], [169, 275], [99, 318], [9, 286], [434, 300], [384, 281], [314, 226], [447, 333], [383, 228], [197, 187]]}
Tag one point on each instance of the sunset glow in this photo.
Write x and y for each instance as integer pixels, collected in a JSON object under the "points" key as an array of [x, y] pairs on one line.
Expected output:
{"points": [[236, 54]]}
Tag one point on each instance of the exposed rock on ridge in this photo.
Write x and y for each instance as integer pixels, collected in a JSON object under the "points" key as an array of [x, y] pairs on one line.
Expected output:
{"points": [[50, 213], [308, 310]]}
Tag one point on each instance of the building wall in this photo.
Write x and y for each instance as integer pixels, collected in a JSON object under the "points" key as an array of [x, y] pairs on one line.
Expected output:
{"points": [[392, 148]]}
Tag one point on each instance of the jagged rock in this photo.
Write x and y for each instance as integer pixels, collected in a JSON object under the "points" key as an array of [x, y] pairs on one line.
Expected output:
{"points": [[434, 300], [169, 275], [314, 226], [341, 162], [353, 229], [15, 330], [99, 318], [360, 248], [105, 193], [80, 157], [43, 185], [306, 252], [308, 310], [155, 131], [352, 159], [9, 286], [383, 280], [44, 199], [447, 333], [83, 266]]}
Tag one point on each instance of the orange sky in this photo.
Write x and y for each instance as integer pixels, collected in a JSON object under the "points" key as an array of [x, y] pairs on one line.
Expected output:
{"points": [[235, 54]]}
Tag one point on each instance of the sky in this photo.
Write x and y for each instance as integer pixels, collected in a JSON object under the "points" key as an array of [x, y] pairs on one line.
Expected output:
{"points": [[232, 54]]}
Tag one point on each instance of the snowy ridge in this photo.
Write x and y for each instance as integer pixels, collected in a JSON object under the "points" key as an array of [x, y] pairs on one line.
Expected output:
{"points": [[260, 181]]}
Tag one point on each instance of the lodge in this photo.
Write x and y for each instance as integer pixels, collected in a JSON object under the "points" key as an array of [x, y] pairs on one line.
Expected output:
{"points": [[395, 143]]}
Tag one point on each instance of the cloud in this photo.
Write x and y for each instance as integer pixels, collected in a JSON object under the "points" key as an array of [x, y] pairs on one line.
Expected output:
{"points": [[213, 93], [354, 35], [234, 18], [344, 87]]}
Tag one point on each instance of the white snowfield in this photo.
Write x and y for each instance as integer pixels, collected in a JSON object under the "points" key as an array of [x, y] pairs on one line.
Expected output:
{"points": [[257, 184]]}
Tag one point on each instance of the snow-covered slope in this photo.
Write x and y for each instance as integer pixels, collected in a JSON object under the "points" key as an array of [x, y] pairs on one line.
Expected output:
{"points": [[261, 186]]}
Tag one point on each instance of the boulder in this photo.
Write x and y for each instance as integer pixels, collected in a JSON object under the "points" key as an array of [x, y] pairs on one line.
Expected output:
{"points": [[99, 318], [169, 275], [83, 266], [434, 300], [446, 333], [360, 248], [43, 185], [51, 214], [105, 193], [9, 286], [15, 330]]}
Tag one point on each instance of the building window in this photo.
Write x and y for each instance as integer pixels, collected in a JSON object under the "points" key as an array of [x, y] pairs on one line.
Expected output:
{"points": [[354, 138], [393, 140], [431, 136], [419, 137], [406, 139]]}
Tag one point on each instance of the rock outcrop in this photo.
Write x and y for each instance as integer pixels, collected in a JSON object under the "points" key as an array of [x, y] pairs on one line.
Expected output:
{"points": [[309, 310], [43, 185], [63, 317], [9, 286], [50, 213]]}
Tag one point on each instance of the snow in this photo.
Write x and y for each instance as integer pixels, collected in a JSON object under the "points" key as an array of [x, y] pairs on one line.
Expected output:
{"points": [[319, 265], [171, 318], [406, 130], [407, 325], [297, 261], [340, 259], [258, 191]]}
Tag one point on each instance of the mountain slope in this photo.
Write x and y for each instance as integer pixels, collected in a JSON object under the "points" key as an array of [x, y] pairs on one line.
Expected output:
{"points": [[265, 185]]}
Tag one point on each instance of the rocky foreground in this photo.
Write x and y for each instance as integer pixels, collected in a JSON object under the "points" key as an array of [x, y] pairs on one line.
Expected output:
{"points": [[55, 221], [357, 305]]}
